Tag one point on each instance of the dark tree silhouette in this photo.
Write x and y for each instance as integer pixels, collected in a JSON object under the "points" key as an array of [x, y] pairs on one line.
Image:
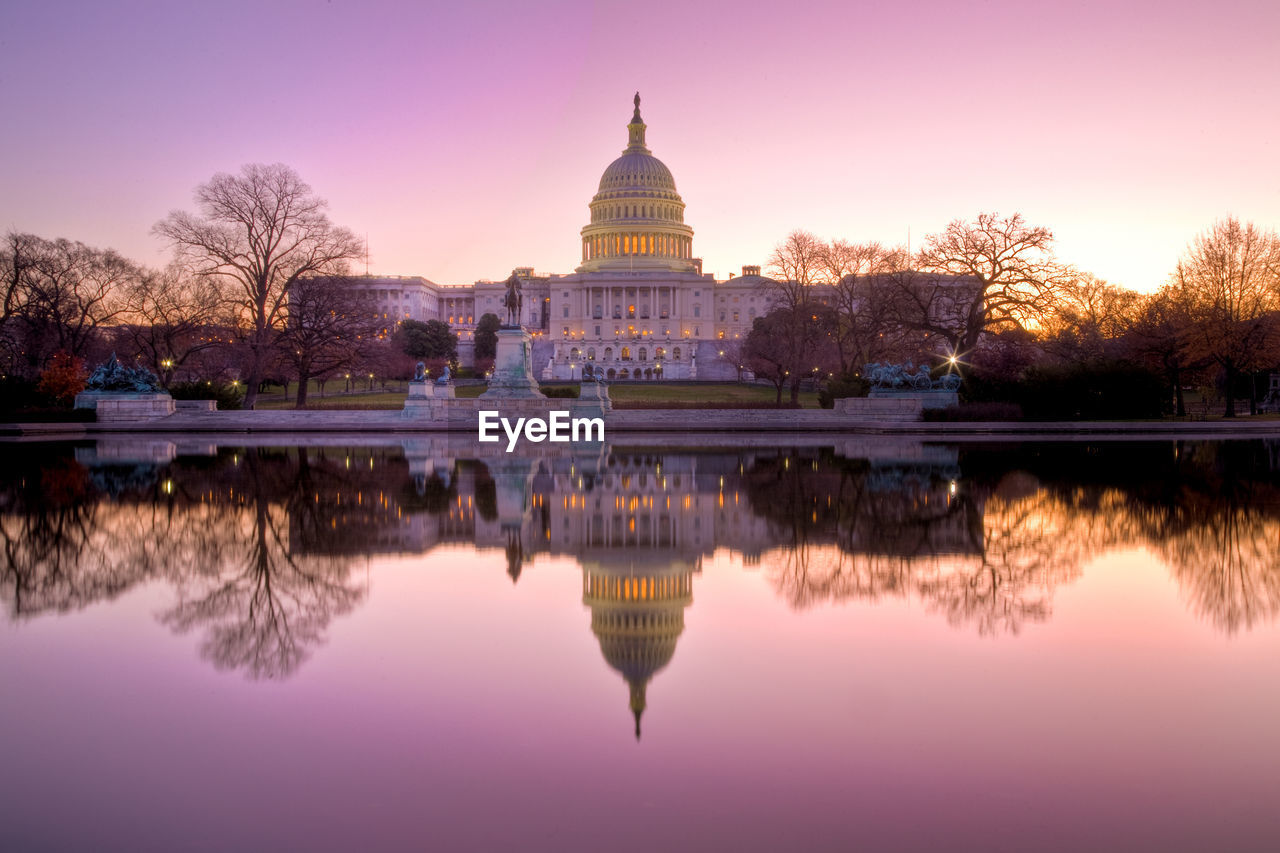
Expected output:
{"points": [[259, 232]]}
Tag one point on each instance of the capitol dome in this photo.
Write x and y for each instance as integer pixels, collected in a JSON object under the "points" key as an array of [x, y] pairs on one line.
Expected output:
{"points": [[638, 170], [637, 217]]}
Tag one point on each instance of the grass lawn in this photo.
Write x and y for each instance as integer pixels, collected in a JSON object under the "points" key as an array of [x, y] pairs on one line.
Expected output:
{"points": [[727, 392], [377, 400]]}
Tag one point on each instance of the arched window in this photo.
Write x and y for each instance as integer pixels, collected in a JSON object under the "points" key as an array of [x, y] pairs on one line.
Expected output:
{"points": [[608, 353], [644, 354], [659, 353], [626, 353], [591, 353], [675, 353], [573, 353]]}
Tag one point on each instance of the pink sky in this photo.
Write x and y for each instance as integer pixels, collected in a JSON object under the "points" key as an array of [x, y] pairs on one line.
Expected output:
{"points": [[466, 139]]}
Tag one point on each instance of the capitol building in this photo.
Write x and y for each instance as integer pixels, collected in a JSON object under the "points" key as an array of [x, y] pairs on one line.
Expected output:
{"points": [[638, 306]]}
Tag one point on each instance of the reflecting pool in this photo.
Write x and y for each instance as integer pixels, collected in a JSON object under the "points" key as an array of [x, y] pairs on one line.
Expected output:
{"points": [[765, 644]]}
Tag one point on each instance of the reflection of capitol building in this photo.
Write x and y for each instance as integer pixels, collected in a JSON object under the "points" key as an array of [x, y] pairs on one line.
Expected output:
{"points": [[262, 540], [641, 523]]}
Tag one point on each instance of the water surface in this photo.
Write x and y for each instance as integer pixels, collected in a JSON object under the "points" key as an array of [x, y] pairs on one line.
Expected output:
{"points": [[823, 645]]}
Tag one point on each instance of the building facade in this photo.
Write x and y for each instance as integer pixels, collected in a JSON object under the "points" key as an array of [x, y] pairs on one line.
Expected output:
{"points": [[638, 307]]}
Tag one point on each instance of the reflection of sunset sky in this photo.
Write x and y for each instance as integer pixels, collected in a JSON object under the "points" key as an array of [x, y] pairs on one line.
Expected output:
{"points": [[449, 691], [466, 139]]}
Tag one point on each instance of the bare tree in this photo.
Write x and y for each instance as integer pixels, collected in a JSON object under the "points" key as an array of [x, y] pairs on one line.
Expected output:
{"points": [[1229, 278], [19, 255], [58, 294], [328, 329], [732, 354], [259, 231], [865, 322], [1158, 338], [1086, 317], [795, 265], [788, 345], [992, 273], [172, 318]]}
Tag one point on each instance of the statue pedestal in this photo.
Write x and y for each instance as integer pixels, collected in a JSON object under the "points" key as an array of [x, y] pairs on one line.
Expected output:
{"points": [[431, 391], [593, 400], [935, 398], [111, 406], [423, 400], [513, 368]]}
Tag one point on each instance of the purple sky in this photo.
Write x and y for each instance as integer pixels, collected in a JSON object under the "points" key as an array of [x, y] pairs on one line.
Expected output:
{"points": [[467, 138]]}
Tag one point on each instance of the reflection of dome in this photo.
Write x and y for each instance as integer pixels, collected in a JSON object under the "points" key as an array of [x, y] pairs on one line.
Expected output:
{"points": [[637, 217], [637, 620]]}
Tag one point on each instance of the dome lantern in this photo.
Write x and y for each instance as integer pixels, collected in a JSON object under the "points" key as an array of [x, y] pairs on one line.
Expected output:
{"points": [[635, 130], [637, 216]]}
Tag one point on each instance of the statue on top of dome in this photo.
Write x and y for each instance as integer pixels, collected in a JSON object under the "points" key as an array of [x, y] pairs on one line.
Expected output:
{"points": [[636, 115]]}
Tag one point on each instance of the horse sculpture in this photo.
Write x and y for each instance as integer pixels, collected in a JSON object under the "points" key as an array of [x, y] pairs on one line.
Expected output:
{"points": [[904, 377], [513, 302]]}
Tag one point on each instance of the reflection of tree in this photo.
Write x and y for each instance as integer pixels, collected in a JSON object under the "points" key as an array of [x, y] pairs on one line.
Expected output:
{"points": [[792, 496], [1028, 544], [432, 494], [258, 542], [1229, 568], [63, 548], [486, 493], [263, 612], [987, 552], [225, 534], [267, 605], [1218, 534]]}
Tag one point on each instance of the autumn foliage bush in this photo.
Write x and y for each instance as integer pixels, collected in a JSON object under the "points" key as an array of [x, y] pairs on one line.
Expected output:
{"points": [[63, 379]]}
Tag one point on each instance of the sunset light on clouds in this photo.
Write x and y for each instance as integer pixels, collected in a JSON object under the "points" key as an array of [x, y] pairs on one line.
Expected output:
{"points": [[467, 139]]}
